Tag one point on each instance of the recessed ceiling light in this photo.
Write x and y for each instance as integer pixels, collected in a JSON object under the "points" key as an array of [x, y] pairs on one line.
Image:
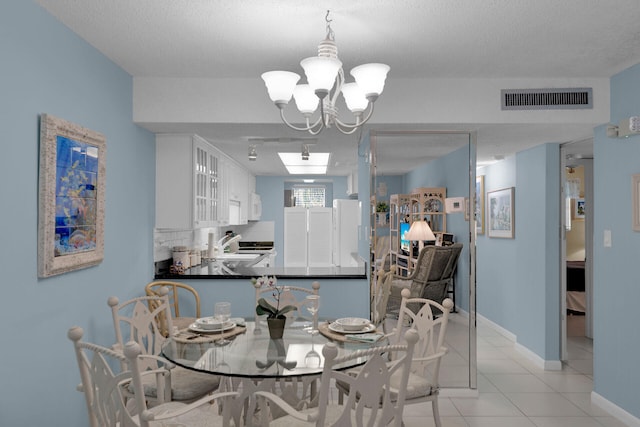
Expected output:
{"points": [[316, 165]]}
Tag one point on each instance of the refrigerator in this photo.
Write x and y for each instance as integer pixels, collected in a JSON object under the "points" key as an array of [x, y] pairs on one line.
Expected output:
{"points": [[346, 226]]}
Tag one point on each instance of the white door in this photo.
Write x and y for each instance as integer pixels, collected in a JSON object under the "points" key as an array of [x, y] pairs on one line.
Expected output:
{"points": [[295, 237], [319, 242]]}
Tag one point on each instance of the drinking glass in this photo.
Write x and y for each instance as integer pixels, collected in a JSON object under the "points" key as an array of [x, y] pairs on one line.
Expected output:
{"points": [[222, 311], [312, 305]]}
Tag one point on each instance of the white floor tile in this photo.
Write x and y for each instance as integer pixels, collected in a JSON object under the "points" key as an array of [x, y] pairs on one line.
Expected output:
{"points": [[486, 405], [428, 422], [545, 405], [565, 422], [518, 383], [499, 422], [567, 382], [610, 422], [583, 401], [500, 366]]}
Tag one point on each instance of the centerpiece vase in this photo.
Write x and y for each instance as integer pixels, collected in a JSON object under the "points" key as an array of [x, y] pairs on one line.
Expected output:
{"points": [[276, 326]]}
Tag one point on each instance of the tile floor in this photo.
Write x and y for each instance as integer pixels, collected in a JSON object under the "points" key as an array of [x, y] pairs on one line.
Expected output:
{"points": [[513, 392]]}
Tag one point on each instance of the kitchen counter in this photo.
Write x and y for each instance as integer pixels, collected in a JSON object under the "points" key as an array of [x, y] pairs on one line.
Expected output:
{"points": [[222, 270]]}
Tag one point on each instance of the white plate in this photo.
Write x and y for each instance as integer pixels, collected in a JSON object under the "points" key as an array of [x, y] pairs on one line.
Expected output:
{"points": [[338, 328], [195, 328]]}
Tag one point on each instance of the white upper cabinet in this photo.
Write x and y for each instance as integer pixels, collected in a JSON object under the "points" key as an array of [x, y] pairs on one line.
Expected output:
{"points": [[197, 185]]}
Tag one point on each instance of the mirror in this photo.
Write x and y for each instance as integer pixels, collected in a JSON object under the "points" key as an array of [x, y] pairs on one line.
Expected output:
{"points": [[400, 162]]}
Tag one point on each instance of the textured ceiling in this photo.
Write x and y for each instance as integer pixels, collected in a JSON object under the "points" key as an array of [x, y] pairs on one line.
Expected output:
{"points": [[418, 38]]}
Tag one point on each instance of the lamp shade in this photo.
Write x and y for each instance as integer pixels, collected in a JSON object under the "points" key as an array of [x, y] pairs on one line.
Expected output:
{"points": [[306, 99], [420, 231], [321, 72], [354, 97], [280, 85], [371, 77]]}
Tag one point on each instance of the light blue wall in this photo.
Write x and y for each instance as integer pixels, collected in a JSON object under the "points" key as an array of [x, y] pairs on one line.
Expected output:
{"points": [[616, 343], [450, 171], [496, 273], [394, 185], [537, 242], [48, 69]]}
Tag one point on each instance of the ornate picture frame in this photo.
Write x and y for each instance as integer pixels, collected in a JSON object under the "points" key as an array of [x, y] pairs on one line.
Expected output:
{"points": [[71, 203], [500, 209], [635, 201]]}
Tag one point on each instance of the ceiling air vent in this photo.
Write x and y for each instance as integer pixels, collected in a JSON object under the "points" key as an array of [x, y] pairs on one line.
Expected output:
{"points": [[547, 99]]}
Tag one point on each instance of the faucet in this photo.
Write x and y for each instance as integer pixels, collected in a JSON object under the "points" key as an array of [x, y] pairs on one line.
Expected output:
{"points": [[222, 244]]}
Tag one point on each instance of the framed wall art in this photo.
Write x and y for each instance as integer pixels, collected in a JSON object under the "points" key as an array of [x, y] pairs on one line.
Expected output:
{"points": [[578, 211], [635, 201], [479, 207], [72, 180], [500, 204]]}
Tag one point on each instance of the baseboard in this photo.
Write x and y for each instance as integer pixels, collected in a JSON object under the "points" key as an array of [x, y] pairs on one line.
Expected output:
{"points": [[547, 365], [615, 410]]}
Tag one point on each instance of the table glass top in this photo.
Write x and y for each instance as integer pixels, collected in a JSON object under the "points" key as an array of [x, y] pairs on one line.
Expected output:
{"points": [[251, 353]]}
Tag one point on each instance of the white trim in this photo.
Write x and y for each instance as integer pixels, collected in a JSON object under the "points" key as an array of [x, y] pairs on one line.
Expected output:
{"points": [[615, 410], [547, 365], [499, 329]]}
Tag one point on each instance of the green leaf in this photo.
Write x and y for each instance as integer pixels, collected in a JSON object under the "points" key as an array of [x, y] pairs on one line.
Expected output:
{"points": [[264, 307], [286, 309]]}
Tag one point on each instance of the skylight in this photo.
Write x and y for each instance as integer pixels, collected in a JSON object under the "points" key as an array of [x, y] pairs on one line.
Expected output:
{"points": [[316, 165]]}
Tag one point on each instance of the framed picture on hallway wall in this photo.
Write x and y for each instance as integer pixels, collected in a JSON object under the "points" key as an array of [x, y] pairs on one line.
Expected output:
{"points": [[71, 197], [578, 211], [500, 208], [479, 207]]}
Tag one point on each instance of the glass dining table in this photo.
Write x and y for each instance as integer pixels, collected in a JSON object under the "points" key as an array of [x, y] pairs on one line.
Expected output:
{"points": [[247, 359]]}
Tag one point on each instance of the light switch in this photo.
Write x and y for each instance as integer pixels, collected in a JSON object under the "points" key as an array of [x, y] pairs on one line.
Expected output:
{"points": [[607, 238]]}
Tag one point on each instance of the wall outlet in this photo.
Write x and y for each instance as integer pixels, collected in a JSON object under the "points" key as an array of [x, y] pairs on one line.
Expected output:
{"points": [[607, 238]]}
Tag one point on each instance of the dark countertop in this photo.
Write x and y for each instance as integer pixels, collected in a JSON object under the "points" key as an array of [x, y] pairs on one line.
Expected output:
{"points": [[212, 270]]}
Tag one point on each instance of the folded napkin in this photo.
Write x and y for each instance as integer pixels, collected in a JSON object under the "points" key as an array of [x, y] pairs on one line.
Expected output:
{"points": [[370, 337]]}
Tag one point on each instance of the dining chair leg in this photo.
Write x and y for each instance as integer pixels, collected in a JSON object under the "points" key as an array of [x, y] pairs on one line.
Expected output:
{"points": [[436, 413]]}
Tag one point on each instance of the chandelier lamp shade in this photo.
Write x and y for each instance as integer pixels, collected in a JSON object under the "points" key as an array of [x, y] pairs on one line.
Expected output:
{"points": [[325, 83]]}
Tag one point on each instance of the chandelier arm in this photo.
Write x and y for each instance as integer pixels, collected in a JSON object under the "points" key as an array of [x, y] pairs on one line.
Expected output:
{"points": [[346, 130], [309, 128], [358, 122]]}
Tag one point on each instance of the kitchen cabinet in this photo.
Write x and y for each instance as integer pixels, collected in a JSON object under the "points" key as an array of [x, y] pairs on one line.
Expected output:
{"points": [[190, 191], [307, 237], [238, 197]]}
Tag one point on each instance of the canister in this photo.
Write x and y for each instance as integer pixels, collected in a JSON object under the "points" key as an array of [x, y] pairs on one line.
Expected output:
{"points": [[181, 255]]}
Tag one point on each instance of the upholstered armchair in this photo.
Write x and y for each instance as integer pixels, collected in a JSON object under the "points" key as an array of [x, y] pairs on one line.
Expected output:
{"points": [[431, 277]]}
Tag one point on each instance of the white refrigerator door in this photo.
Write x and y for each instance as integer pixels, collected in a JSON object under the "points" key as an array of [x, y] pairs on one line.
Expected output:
{"points": [[295, 237], [345, 232], [319, 248]]}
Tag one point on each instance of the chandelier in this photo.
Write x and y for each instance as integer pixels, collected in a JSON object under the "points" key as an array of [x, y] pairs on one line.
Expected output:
{"points": [[325, 82]]}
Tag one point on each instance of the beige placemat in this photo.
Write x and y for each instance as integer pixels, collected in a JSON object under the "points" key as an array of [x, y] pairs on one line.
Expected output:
{"points": [[188, 336]]}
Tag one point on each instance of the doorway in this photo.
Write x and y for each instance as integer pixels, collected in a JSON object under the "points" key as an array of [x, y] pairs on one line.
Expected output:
{"points": [[577, 253]]}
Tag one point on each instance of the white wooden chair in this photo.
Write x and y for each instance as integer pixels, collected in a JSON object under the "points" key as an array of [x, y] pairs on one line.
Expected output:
{"points": [[107, 402], [420, 314], [381, 296], [133, 321], [370, 404], [290, 296], [176, 289]]}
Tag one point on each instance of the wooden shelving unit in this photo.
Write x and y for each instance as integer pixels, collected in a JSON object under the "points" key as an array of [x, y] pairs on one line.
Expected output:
{"points": [[424, 203]]}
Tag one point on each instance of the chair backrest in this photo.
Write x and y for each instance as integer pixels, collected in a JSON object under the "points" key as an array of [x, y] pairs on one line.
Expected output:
{"points": [[134, 321], [175, 290], [420, 315], [102, 388], [289, 296], [370, 390], [435, 267], [381, 296]]}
